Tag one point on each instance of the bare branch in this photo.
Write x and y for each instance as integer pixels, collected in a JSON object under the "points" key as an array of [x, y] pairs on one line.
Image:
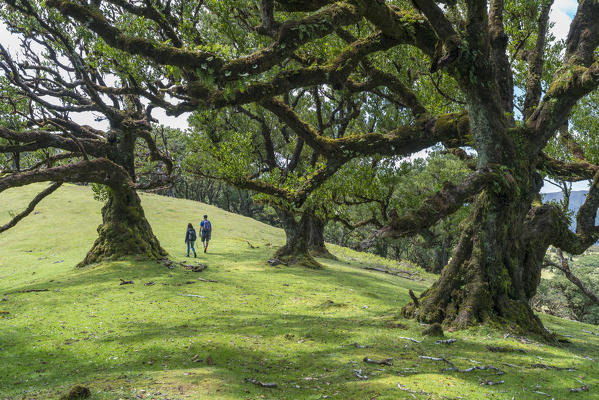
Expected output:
{"points": [[43, 194]]}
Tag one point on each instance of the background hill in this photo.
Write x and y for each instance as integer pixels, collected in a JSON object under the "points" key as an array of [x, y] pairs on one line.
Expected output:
{"points": [[172, 336]]}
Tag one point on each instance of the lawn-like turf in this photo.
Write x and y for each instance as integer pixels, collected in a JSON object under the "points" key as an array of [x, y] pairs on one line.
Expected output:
{"points": [[286, 325]]}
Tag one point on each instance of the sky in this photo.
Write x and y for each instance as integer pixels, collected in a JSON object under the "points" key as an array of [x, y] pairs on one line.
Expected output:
{"points": [[561, 16]]}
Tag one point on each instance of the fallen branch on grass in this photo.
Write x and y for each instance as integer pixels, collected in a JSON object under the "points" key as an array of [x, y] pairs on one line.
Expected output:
{"points": [[501, 349], [386, 361], [270, 385], [446, 341], [192, 295], [401, 273], [412, 392], [491, 383], [483, 367], [452, 366], [545, 366], [194, 267], [583, 388], [592, 333], [206, 280], [358, 346], [28, 291], [410, 339], [358, 373], [124, 282]]}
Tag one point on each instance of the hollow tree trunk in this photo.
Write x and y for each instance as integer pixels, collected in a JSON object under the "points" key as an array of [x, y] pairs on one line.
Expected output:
{"points": [[124, 230], [297, 235], [496, 267]]}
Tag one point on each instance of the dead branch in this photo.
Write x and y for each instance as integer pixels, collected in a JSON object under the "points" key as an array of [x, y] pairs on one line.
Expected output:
{"points": [[43, 194]]}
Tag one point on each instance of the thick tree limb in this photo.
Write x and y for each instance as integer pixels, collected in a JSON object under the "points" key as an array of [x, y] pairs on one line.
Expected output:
{"points": [[43, 194], [290, 37], [99, 170], [436, 206], [567, 171], [399, 142], [583, 37], [535, 62], [499, 42], [586, 231], [570, 84], [401, 25], [39, 139]]}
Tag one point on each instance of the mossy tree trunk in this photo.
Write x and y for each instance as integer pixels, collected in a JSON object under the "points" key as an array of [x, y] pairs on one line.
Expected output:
{"points": [[124, 229], [316, 243], [496, 267], [298, 235]]}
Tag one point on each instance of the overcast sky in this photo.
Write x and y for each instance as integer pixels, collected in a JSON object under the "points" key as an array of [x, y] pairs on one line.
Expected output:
{"points": [[561, 15]]}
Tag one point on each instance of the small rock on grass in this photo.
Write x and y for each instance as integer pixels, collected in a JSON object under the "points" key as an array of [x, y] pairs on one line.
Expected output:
{"points": [[77, 392]]}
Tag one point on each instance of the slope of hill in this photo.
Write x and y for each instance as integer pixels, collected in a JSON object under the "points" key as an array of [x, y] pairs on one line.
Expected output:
{"points": [[170, 335]]}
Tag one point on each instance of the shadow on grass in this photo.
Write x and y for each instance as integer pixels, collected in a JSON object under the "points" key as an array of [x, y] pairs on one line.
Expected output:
{"points": [[309, 367]]}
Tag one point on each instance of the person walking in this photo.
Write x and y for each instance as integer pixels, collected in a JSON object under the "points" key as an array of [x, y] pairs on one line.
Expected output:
{"points": [[190, 238], [206, 229]]}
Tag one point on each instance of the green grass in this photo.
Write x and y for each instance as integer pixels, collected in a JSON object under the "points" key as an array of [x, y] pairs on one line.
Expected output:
{"points": [[286, 325]]}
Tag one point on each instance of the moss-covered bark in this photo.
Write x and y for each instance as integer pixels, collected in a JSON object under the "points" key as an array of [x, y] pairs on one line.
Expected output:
{"points": [[124, 230], [496, 267], [316, 244], [297, 245]]}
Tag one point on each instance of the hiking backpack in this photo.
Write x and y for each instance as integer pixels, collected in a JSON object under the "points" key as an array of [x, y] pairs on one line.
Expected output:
{"points": [[207, 227]]}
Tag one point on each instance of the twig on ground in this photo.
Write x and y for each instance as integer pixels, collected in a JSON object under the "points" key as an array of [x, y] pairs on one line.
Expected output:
{"points": [[490, 383], [400, 273], [583, 388], [271, 385], [206, 280], [359, 374], [410, 339], [358, 346], [412, 392], [124, 282], [446, 341], [452, 366], [545, 366], [501, 349], [386, 361], [192, 295], [28, 291], [592, 333]]}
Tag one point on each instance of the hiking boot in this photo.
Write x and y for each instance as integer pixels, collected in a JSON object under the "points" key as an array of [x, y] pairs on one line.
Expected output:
{"points": [[204, 249]]}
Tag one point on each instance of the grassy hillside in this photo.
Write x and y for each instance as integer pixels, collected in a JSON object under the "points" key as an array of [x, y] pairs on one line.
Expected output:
{"points": [[307, 331]]}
